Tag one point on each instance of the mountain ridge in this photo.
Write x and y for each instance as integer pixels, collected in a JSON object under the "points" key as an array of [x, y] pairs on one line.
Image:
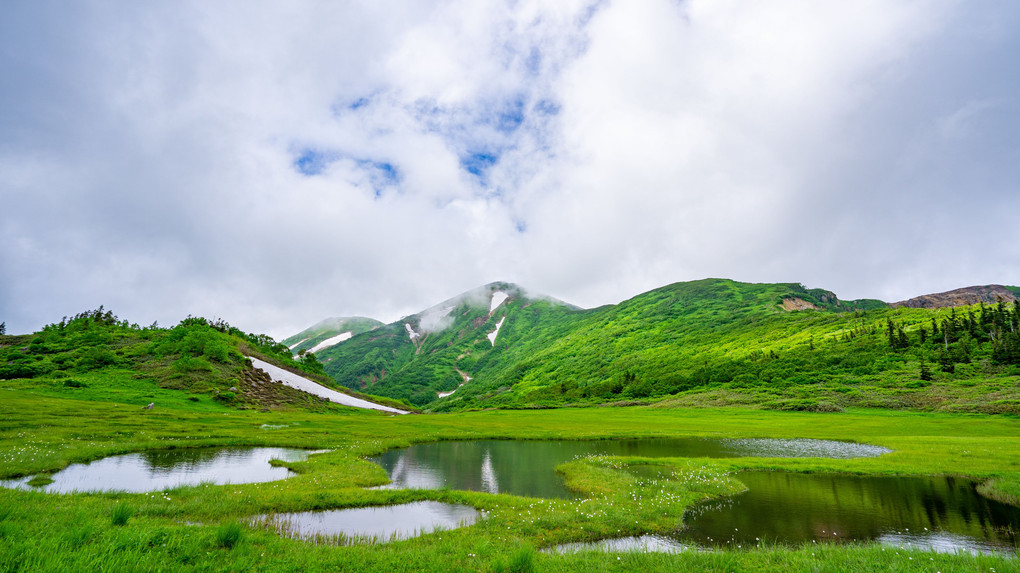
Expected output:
{"points": [[685, 337], [962, 297]]}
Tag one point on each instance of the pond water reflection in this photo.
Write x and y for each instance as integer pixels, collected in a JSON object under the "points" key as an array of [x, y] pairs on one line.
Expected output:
{"points": [[528, 467], [943, 514], [377, 524], [159, 469]]}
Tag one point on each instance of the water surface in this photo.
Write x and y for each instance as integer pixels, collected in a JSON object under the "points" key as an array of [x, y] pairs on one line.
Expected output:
{"points": [[528, 467], [942, 513], [378, 524], [160, 469]]}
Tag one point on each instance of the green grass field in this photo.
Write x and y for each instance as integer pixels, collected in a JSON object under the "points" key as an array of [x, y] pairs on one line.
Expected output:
{"points": [[208, 527]]}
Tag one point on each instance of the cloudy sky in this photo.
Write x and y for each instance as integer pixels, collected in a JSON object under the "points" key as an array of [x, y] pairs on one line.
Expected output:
{"points": [[276, 163]]}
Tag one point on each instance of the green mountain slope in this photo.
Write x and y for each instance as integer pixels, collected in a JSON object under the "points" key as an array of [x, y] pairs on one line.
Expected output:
{"points": [[435, 351], [328, 332], [709, 341], [197, 364]]}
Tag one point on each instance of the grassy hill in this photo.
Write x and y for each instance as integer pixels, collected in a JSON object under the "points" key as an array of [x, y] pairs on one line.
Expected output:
{"points": [[95, 356], [713, 341]]}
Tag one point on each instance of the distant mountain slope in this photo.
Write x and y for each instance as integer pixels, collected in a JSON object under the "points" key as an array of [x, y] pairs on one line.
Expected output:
{"points": [[436, 350], [988, 294], [773, 345], [329, 332]]}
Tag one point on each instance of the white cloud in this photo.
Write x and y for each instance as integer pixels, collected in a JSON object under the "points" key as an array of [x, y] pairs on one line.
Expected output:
{"points": [[151, 156]]}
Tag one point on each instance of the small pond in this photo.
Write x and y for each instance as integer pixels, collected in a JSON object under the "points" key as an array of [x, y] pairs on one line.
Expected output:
{"points": [[160, 469], [938, 513], [528, 467], [792, 508], [375, 524]]}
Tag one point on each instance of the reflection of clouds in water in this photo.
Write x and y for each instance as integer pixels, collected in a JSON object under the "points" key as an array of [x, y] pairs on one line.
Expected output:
{"points": [[939, 542], [151, 472], [804, 448], [644, 543], [379, 524], [408, 473]]}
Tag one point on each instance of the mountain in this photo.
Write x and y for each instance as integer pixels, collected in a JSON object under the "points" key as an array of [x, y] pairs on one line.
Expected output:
{"points": [[988, 294], [433, 352], [329, 332], [713, 341]]}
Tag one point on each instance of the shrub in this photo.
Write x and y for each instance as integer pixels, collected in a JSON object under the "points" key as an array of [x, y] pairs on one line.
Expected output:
{"points": [[191, 364], [225, 397]]}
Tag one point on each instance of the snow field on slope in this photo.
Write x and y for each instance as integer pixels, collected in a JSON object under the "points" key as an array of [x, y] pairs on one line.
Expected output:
{"points": [[306, 385]]}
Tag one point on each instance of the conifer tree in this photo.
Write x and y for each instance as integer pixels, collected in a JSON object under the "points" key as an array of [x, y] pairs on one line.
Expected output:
{"points": [[925, 373]]}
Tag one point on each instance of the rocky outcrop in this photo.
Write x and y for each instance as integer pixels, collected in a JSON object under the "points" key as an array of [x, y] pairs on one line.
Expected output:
{"points": [[988, 294]]}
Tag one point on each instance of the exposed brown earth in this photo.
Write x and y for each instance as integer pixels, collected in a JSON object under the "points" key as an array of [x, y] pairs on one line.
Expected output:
{"points": [[960, 297], [794, 303]]}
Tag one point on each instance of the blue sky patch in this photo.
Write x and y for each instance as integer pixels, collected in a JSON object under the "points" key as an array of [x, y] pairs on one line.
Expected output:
{"points": [[478, 163], [511, 117], [381, 174], [547, 107], [313, 162]]}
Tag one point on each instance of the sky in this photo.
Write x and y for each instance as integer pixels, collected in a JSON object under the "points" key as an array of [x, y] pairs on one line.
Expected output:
{"points": [[276, 163]]}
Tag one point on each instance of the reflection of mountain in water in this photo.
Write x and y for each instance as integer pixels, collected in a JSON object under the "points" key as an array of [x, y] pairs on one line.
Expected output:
{"points": [[797, 508], [489, 481], [184, 458], [528, 467]]}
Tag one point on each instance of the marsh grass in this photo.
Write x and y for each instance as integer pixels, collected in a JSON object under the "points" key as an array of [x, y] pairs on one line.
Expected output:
{"points": [[622, 496], [121, 513], [40, 480], [228, 535]]}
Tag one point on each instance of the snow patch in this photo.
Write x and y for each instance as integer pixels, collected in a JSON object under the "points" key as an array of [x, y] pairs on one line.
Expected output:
{"points": [[445, 394], [410, 331], [296, 344], [331, 341], [306, 385], [463, 375], [492, 335], [498, 297]]}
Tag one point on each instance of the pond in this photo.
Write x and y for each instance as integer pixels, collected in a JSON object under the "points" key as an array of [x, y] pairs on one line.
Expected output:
{"points": [[155, 470], [938, 513], [375, 524], [528, 467], [792, 508]]}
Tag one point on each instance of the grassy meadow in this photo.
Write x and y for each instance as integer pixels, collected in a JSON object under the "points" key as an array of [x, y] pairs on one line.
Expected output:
{"points": [[209, 527]]}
